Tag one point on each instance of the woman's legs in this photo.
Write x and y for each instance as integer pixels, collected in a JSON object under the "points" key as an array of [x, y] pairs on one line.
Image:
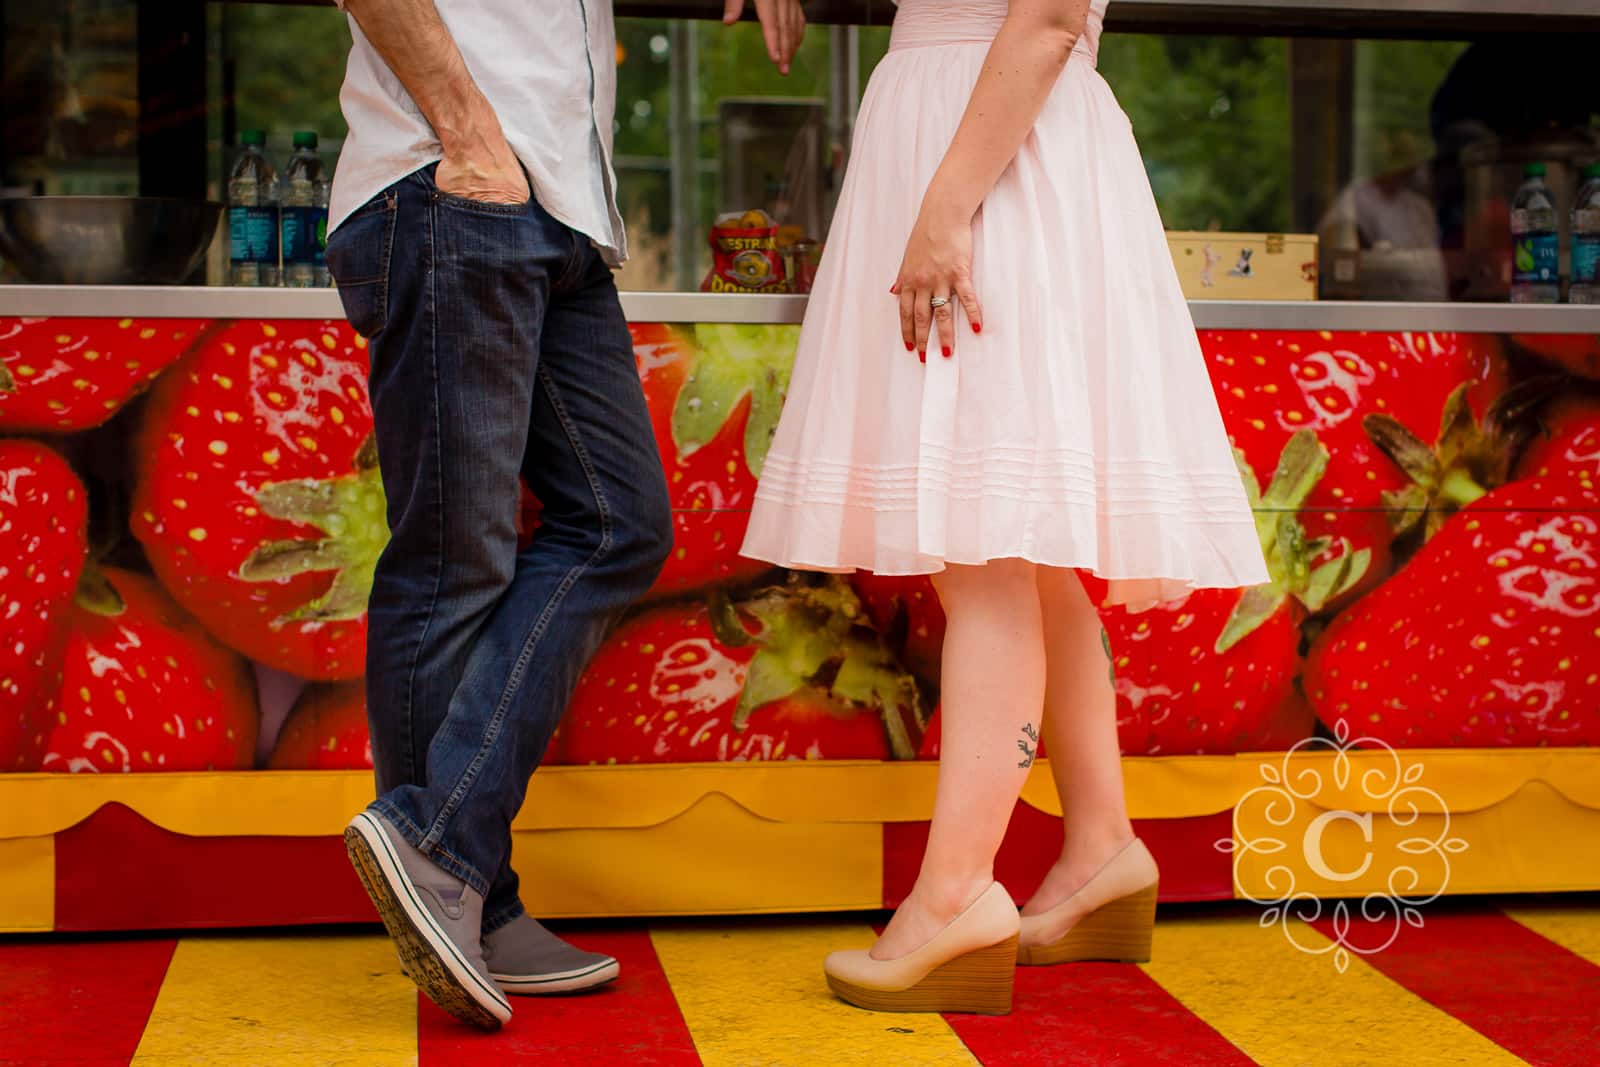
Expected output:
{"points": [[992, 693], [1080, 730]]}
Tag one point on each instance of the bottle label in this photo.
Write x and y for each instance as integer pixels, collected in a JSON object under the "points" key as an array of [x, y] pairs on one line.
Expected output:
{"points": [[253, 235], [1586, 259], [1536, 259], [305, 235]]}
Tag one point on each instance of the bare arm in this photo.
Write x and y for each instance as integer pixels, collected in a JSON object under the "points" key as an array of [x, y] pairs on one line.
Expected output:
{"points": [[1026, 58], [414, 41]]}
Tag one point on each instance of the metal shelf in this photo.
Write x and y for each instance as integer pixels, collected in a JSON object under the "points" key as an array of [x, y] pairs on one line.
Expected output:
{"points": [[224, 302]]}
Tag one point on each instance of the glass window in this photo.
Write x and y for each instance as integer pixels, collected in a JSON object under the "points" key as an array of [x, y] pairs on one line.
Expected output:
{"points": [[1403, 157]]}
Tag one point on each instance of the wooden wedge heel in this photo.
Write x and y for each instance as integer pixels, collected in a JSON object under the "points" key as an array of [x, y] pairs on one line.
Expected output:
{"points": [[1119, 930], [969, 966], [1111, 917], [979, 983]]}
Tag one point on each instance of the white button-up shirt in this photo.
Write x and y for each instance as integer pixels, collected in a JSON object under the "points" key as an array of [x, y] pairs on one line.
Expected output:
{"points": [[548, 69]]}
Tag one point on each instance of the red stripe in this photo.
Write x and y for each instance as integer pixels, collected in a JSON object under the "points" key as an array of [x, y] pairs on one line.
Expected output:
{"points": [[1094, 1015], [635, 1020], [168, 881], [1191, 867], [1523, 992], [83, 1002]]}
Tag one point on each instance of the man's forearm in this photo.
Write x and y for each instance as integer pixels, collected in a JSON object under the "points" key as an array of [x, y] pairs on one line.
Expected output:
{"points": [[414, 41]]}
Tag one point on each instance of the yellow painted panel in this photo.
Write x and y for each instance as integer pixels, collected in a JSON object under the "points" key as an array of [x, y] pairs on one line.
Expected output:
{"points": [[714, 859], [1287, 1008], [1573, 928], [1520, 844], [287, 1001], [27, 884], [756, 995]]}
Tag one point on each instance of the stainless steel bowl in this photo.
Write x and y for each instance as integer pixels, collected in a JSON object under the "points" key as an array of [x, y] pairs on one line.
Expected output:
{"points": [[106, 240]]}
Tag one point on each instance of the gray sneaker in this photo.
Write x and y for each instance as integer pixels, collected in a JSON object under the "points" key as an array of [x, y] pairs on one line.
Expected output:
{"points": [[435, 919], [527, 959]]}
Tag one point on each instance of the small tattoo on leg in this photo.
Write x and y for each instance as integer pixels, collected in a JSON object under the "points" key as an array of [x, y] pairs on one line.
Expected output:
{"points": [[1028, 750]]}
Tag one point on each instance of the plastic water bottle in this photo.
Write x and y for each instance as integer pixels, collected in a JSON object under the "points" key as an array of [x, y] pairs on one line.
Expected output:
{"points": [[253, 214], [305, 215], [1536, 244], [1585, 287]]}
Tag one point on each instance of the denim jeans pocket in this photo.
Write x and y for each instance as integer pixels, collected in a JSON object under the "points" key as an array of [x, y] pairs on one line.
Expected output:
{"points": [[359, 255], [466, 203]]}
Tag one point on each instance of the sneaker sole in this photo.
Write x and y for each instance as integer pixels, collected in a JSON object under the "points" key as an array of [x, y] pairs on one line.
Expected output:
{"points": [[428, 956], [529, 985]]}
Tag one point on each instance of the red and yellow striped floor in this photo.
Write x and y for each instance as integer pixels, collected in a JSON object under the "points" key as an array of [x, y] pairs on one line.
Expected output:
{"points": [[1481, 983]]}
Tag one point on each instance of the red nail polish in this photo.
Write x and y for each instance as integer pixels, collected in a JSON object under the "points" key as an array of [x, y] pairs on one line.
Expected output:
{"points": [[910, 347], [946, 351], [922, 356], [977, 327]]}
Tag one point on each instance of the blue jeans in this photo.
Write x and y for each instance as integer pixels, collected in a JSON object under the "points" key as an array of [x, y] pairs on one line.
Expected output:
{"points": [[498, 349]]}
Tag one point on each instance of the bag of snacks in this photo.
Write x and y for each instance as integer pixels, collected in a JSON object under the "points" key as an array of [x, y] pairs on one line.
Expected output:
{"points": [[745, 256]]}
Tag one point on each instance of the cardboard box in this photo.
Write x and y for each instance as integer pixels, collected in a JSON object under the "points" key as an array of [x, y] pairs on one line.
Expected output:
{"points": [[1245, 266]]}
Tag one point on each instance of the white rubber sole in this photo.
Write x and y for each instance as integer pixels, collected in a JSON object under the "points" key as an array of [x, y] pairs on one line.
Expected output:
{"points": [[429, 956], [531, 985]]}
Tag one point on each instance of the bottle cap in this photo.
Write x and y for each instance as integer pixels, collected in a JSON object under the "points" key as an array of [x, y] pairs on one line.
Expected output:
{"points": [[1533, 170], [252, 137], [305, 139]]}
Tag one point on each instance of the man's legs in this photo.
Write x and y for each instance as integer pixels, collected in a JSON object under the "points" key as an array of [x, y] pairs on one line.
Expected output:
{"points": [[474, 648]]}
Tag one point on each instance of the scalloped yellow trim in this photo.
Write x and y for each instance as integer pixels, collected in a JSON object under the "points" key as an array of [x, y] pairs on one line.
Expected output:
{"points": [[318, 803]]}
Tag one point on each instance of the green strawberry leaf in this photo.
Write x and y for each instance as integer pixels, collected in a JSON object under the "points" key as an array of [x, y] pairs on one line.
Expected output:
{"points": [[349, 511], [1408, 451], [1335, 577], [735, 361], [768, 679], [1111, 663], [96, 594], [1258, 604], [869, 676]]}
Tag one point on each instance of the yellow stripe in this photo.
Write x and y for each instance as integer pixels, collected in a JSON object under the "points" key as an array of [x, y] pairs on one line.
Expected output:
{"points": [[755, 995], [330, 1001], [28, 884], [1284, 1006], [1573, 928]]}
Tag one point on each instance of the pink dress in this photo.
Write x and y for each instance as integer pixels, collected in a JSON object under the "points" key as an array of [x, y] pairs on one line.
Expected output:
{"points": [[1078, 430]]}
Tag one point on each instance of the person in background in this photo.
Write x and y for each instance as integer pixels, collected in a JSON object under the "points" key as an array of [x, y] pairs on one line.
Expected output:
{"points": [[1428, 242], [474, 230]]}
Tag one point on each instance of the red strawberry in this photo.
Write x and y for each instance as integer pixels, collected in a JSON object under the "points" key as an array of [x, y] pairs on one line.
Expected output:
{"points": [[932, 736], [145, 689], [906, 610], [1569, 444], [43, 518], [1209, 673], [689, 681], [1577, 352], [259, 502], [325, 731], [715, 393], [1294, 722], [1490, 635], [72, 374], [1272, 385]]}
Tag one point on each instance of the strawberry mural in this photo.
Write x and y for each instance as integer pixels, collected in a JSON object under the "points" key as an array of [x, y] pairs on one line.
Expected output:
{"points": [[1568, 445], [1576, 352], [144, 688], [1273, 385], [43, 516], [792, 672], [326, 731], [259, 502], [1211, 672], [906, 610], [1490, 635], [715, 393], [66, 374]]}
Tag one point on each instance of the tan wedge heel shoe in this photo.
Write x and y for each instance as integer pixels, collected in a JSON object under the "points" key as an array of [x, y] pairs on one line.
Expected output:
{"points": [[1111, 917], [969, 966]]}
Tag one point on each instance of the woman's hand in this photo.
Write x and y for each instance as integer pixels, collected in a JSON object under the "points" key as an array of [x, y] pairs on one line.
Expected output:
{"points": [[783, 26], [937, 267]]}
